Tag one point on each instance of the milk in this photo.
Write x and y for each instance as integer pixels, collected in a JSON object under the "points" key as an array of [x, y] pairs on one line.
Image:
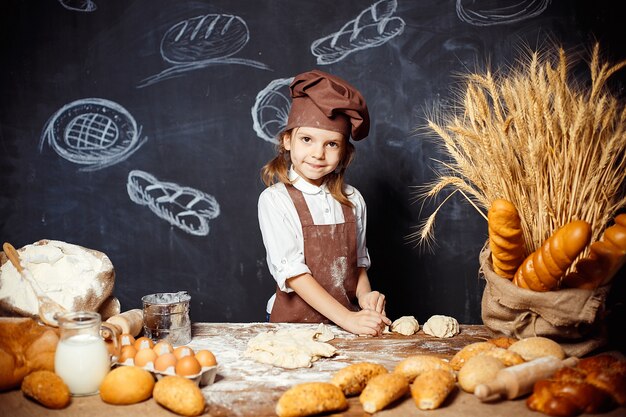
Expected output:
{"points": [[82, 361]]}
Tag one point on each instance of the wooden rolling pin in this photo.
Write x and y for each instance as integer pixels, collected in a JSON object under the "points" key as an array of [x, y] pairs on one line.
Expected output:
{"points": [[518, 380], [128, 322]]}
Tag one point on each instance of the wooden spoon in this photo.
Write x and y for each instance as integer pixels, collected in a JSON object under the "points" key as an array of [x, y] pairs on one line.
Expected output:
{"points": [[49, 310]]}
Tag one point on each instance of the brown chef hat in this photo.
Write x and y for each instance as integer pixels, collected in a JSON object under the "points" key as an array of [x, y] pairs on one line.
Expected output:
{"points": [[325, 101]]}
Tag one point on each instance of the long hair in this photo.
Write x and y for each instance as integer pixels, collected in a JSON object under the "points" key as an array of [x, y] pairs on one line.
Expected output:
{"points": [[277, 170]]}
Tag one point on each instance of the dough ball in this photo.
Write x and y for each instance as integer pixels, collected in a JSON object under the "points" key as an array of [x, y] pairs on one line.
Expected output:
{"points": [[406, 325], [441, 326]]}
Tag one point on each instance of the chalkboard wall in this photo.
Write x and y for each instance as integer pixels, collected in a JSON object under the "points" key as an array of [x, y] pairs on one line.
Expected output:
{"points": [[138, 128]]}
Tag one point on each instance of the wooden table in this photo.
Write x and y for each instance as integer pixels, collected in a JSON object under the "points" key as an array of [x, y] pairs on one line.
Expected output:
{"points": [[243, 387]]}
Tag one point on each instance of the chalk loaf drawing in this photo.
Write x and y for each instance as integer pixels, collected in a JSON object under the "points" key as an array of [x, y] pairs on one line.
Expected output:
{"points": [[271, 109], [183, 207], [200, 42], [79, 5], [498, 12], [374, 26], [93, 132]]}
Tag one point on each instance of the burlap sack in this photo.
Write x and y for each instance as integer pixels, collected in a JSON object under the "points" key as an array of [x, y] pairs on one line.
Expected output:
{"points": [[571, 317]]}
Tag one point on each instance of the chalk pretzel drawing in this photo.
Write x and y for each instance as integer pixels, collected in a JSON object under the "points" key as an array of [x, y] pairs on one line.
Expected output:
{"points": [[486, 13], [93, 132], [271, 109], [84, 6], [202, 41], [373, 27], [186, 208]]}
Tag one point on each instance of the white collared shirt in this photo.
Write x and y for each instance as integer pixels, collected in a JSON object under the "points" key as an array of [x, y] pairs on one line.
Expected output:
{"points": [[282, 230]]}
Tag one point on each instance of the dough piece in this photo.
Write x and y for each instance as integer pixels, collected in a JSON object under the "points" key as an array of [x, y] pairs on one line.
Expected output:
{"points": [[47, 388], [323, 333], [536, 347], [288, 348], [441, 326], [382, 390], [353, 378], [180, 395], [414, 366], [431, 388], [406, 325], [479, 369], [310, 398]]}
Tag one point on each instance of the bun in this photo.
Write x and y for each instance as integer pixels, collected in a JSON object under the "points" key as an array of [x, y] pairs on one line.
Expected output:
{"points": [[506, 239], [180, 395], [47, 388], [431, 388], [536, 347], [310, 398], [382, 390], [413, 366], [126, 385], [503, 341], [595, 385], [542, 269], [469, 351], [479, 369], [353, 378]]}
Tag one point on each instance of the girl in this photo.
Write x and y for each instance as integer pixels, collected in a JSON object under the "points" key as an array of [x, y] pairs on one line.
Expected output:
{"points": [[313, 225]]}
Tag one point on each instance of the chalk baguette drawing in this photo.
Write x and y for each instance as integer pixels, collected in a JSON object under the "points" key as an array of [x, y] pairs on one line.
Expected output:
{"points": [[184, 207], [93, 132], [271, 109], [200, 42], [490, 12], [84, 6], [373, 27]]}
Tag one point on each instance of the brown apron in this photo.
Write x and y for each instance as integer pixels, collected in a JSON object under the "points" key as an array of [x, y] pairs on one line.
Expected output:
{"points": [[331, 255]]}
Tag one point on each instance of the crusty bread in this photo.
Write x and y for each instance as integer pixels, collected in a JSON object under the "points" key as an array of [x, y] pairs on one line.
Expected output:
{"points": [[413, 366], [431, 388], [310, 398], [126, 385], [47, 388], [382, 390], [535, 347], [353, 378], [469, 351]]}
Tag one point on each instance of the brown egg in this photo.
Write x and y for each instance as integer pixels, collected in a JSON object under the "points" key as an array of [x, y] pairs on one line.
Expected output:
{"points": [[182, 351], [163, 347], [126, 339], [143, 343], [164, 361], [127, 352], [206, 357], [144, 356], [188, 365]]}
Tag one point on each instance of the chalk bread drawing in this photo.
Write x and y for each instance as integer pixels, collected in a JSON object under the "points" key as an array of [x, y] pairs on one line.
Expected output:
{"points": [[271, 109], [186, 208], [373, 27], [202, 41], [93, 132], [79, 5], [498, 12]]}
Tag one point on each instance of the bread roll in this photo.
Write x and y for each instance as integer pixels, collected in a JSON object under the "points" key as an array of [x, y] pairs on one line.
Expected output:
{"points": [[506, 239], [413, 366], [382, 390], [502, 341], [536, 347], [47, 388], [469, 351], [127, 385], [310, 398], [478, 369], [180, 395], [507, 357], [431, 388], [353, 378]]}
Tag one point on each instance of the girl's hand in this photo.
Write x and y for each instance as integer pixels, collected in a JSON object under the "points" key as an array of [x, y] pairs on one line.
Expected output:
{"points": [[365, 322], [373, 300]]}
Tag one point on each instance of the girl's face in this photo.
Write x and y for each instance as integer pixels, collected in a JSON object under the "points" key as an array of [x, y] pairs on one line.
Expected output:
{"points": [[315, 152]]}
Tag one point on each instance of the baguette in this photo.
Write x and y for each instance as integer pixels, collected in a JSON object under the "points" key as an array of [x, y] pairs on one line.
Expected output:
{"points": [[382, 390], [605, 258], [506, 239], [310, 398], [353, 378], [543, 269], [431, 388]]}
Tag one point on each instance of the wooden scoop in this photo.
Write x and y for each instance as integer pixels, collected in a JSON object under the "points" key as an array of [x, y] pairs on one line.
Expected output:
{"points": [[48, 309]]}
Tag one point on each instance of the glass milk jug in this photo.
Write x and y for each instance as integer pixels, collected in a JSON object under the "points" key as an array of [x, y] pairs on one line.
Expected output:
{"points": [[81, 358]]}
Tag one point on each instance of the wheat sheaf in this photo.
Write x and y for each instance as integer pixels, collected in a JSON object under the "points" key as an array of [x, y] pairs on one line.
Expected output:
{"points": [[537, 137]]}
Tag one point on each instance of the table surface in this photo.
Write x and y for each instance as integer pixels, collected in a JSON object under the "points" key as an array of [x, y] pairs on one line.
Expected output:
{"points": [[244, 387]]}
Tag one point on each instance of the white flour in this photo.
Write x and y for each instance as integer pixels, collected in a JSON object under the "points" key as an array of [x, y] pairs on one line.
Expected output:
{"points": [[62, 270]]}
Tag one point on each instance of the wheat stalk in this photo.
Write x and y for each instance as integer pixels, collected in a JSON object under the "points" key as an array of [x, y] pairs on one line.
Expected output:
{"points": [[535, 137]]}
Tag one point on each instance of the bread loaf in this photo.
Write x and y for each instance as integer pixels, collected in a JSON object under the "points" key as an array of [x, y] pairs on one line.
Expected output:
{"points": [[506, 239], [605, 258], [353, 378], [382, 390], [413, 366], [310, 398], [47, 388], [431, 388], [543, 269]]}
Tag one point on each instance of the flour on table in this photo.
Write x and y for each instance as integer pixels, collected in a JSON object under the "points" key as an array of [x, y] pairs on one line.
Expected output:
{"points": [[291, 348], [406, 325], [441, 326]]}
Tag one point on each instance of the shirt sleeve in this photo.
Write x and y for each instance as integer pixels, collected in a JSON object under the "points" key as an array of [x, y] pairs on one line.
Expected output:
{"points": [[282, 237], [360, 208]]}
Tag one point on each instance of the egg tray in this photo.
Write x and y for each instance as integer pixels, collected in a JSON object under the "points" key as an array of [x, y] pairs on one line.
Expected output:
{"points": [[206, 376]]}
